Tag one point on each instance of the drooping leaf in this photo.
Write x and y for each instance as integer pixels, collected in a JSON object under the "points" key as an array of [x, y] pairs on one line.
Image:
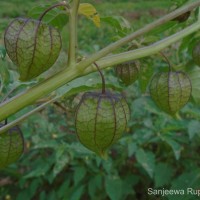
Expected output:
{"points": [[11, 146], [176, 147], [147, 160], [90, 12], [32, 45]]}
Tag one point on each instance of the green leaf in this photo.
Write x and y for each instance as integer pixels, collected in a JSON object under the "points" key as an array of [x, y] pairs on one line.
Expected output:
{"points": [[120, 24], [162, 28], [185, 181], [56, 17], [2, 52], [113, 187], [79, 174], [132, 148], [145, 76], [85, 83], [62, 160], [77, 193], [163, 175], [147, 160], [176, 147], [193, 128], [95, 183]]}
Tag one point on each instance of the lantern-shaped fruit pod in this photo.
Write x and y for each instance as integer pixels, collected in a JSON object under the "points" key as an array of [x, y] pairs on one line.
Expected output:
{"points": [[128, 72], [196, 54], [32, 45], [11, 146], [170, 90], [101, 119]]}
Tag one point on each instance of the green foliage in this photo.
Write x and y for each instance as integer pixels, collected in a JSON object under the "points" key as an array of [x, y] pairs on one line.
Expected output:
{"points": [[156, 151]]}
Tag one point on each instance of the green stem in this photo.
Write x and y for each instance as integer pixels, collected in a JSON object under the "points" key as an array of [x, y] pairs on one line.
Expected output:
{"points": [[33, 94], [22, 118], [73, 16], [145, 51]]}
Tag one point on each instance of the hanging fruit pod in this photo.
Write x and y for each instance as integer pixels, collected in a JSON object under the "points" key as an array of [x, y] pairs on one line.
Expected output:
{"points": [[196, 54], [101, 118], [128, 72], [11, 146], [170, 90], [32, 45]]}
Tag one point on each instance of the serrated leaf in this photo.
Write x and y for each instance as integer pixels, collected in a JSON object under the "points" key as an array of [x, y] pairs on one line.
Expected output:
{"points": [[193, 128], [90, 12], [147, 160], [163, 175], [56, 17], [113, 187]]}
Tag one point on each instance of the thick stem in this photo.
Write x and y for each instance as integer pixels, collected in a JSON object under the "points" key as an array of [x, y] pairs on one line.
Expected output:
{"points": [[73, 16], [102, 77], [52, 7], [145, 51], [31, 95]]}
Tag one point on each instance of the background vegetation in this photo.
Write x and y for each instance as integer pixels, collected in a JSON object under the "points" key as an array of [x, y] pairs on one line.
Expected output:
{"points": [[157, 151]]}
